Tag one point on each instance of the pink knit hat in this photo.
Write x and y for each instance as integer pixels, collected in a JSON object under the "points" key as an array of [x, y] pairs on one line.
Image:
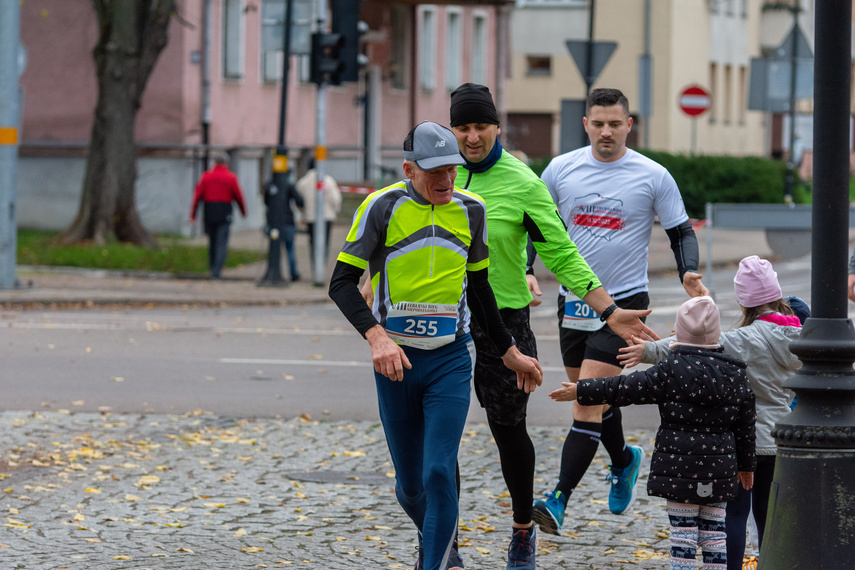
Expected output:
{"points": [[756, 283], [698, 323]]}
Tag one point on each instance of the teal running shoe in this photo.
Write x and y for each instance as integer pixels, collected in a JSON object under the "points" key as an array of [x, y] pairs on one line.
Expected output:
{"points": [[548, 513], [624, 483]]}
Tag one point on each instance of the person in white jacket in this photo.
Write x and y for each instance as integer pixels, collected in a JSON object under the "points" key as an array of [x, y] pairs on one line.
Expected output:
{"points": [[761, 340], [307, 186]]}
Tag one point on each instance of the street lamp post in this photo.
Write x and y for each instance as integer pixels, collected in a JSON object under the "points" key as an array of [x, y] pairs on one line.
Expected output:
{"points": [[275, 194], [811, 520]]}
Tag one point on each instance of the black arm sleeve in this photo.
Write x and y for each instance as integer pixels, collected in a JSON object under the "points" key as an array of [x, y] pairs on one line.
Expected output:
{"points": [[482, 304], [344, 291], [531, 255], [684, 244]]}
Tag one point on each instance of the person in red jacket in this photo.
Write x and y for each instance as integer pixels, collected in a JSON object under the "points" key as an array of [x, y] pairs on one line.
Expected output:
{"points": [[217, 188]]}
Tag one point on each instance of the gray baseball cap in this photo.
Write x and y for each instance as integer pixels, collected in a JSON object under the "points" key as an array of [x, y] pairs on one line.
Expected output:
{"points": [[431, 145]]}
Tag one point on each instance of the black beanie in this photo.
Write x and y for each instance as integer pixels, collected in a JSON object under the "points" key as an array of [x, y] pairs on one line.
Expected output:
{"points": [[472, 103]]}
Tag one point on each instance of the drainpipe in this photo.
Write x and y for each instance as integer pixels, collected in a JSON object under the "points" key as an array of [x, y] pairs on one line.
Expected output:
{"points": [[206, 80], [502, 47]]}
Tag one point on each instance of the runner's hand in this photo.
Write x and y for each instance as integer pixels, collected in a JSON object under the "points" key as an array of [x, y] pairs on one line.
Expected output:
{"points": [[529, 373], [746, 478], [693, 286], [565, 394], [626, 323], [389, 358], [531, 280], [631, 355]]}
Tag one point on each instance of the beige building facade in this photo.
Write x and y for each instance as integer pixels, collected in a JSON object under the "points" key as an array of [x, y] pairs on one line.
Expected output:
{"points": [[709, 43]]}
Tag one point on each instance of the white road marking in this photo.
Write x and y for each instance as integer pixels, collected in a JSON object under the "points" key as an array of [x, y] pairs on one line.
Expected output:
{"points": [[325, 363]]}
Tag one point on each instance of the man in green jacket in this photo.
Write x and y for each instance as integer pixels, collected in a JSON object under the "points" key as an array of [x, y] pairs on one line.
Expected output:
{"points": [[518, 207]]}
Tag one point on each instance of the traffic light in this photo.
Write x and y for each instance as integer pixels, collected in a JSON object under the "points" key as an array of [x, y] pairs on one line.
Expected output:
{"points": [[327, 65], [345, 21]]}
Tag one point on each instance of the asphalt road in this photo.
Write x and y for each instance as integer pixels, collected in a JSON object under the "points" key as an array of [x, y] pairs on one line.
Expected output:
{"points": [[262, 361]]}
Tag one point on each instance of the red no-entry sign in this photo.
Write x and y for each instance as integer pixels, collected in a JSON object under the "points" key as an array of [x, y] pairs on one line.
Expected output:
{"points": [[694, 100]]}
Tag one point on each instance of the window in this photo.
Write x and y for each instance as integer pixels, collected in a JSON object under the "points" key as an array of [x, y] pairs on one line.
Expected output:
{"points": [[478, 67], [453, 49], [713, 92], [272, 22], [728, 94], [400, 33], [273, 34], [427, 50], [743, 94], [233, 39], [551, 3], [303, 64], [538, 65]]}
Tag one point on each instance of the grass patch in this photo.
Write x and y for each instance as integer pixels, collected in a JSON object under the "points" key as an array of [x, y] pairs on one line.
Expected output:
{"points": [[42, 248]]}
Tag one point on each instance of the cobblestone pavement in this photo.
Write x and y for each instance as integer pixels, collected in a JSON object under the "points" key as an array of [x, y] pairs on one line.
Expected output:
{"points": [[199, 491]]}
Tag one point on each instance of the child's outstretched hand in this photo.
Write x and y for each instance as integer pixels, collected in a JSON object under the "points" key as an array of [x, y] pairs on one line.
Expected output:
{"points": [[565, 394], [746, 478], [631, 355]]}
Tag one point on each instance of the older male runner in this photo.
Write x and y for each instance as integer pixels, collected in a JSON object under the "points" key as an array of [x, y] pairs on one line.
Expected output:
{"points": [[424, 242]]}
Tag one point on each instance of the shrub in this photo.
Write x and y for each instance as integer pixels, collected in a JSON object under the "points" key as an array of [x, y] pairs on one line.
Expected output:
{"points": [[704, 178], [725, 179]]}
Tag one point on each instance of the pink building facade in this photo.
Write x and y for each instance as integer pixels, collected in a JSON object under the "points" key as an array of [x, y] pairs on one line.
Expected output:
{"points": [[416, 54]]}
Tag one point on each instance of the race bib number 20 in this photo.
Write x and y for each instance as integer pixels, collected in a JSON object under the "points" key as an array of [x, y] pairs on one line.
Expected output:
{"points": [[579, 315], [422, 325]]}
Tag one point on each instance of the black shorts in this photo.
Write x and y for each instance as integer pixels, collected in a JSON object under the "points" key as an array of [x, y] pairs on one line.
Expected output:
{"points": [[601, 345], [495, 384]]}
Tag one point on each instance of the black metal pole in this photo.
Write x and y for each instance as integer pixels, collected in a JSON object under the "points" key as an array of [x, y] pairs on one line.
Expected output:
{"points": [[811, 520], [275, 195], [589, 63], [790, 181]]}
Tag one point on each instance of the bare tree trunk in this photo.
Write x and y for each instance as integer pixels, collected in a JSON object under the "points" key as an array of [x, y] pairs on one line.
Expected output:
{"points": [[132, 35]]}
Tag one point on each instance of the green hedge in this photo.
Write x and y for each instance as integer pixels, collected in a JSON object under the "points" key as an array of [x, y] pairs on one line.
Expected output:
{"points": [[704, 178], [729, 179]]}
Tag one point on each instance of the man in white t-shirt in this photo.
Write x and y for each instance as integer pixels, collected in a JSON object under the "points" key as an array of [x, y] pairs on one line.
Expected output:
{"points": [[609, 196]]}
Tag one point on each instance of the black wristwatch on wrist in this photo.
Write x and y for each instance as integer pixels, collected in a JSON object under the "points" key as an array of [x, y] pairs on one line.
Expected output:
{"points": [[608, 312]]}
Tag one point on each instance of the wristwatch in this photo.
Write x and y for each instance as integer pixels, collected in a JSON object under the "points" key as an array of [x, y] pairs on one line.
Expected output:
{"points": [[608, 312]]}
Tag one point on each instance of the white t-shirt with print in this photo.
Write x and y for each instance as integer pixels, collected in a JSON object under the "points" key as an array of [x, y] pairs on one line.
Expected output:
{"points": [[609, 209]]}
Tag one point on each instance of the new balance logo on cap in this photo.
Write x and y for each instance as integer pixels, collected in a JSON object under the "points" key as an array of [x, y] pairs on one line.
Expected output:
{"points": [[431, 146]]}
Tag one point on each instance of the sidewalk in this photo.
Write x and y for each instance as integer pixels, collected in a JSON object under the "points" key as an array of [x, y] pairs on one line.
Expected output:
{"points": [[85, 491], [57, 287]]}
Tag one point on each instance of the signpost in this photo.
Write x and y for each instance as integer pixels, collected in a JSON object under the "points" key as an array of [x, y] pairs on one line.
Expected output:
{"points": [[694, 100]]}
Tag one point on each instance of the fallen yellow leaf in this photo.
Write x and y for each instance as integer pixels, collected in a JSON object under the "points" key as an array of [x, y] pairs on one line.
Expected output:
{"points": [[148, 480], [91, 490]]}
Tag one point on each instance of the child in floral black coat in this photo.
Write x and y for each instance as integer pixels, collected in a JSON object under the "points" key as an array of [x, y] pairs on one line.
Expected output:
{"points": [[705, 443]]}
